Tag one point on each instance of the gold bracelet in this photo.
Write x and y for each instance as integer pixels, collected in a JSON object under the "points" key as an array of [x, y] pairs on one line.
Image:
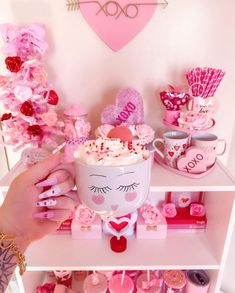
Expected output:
{"points": [[15, 249]]}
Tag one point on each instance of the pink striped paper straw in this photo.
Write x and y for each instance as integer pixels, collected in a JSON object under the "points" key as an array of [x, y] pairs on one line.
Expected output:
{"points": [[216, 83], [207, 81]]}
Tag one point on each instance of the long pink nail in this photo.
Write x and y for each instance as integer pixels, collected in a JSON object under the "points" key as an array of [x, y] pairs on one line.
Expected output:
{"points": [[46, 203], [47, 182], [54, 191], [44, 215]]}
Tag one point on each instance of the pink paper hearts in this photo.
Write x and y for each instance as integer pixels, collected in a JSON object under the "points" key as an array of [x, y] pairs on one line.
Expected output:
{"points": [[194, 161], [117, 22], [128, 108]]}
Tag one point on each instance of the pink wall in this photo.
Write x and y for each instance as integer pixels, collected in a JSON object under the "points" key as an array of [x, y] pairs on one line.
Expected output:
{"points": [[187, 33]]}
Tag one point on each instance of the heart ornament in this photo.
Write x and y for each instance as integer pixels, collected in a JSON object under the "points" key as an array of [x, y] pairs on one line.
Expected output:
{"points": [[117, 227], [194, 161], [184, 200], [117, 22], [128, 108]]}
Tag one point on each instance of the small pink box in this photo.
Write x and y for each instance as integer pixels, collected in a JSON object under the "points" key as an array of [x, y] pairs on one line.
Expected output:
{"points": [[92, 231], [158, 231]]}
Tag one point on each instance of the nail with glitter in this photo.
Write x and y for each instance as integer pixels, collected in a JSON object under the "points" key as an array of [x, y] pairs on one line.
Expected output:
{"points": [[54, 191], [44, 215], [46, 203], [48, 182]]}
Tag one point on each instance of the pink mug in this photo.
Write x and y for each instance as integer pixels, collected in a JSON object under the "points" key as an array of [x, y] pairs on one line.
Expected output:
{"points": [[209, 143], [174, 145]]}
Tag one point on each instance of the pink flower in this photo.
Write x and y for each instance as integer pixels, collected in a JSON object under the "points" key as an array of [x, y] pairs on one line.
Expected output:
{"points": [[84, 215], [169, 210], [27, 42], [144, 130], [50, 118], [150, 214], [197, 210], [38, 75], [3, 80]]}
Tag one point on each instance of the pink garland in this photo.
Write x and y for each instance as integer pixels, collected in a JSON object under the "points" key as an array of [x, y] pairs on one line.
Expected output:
{"points": [[29, 100]]}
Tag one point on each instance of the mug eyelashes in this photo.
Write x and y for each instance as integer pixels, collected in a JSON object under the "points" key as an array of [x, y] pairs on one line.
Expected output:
{"points": [[100, 189], [127, 188]]}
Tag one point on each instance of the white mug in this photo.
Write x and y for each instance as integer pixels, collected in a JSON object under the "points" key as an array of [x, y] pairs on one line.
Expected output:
{"points": [[174, 145], [209, 144]]}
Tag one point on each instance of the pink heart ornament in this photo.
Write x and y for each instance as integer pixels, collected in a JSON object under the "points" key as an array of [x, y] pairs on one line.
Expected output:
{"points": [[194, 161], [128, 109], [110, 21], [119, 221]]}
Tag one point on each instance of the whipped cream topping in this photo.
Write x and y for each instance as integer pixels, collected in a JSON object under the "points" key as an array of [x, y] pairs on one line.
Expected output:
{"points": [[111, 152]]}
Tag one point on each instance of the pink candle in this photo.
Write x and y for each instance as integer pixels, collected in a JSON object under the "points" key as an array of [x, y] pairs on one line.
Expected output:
{"points": [[153, 285], [95, 283], [117, 286]]}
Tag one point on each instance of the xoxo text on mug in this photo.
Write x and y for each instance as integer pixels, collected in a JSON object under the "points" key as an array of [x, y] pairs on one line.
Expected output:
{"points": [[174, 145], [209, 143]]}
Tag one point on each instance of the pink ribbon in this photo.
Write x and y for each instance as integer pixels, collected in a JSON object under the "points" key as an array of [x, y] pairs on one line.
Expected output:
{"points": [[146, 285]]}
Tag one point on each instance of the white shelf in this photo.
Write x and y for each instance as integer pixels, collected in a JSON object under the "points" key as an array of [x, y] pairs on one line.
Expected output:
{"points": [[218, 180], [163, 180], [61, 252]]}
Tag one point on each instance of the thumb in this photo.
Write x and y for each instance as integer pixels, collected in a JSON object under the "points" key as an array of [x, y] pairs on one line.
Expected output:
{"points": [[42, 169]]}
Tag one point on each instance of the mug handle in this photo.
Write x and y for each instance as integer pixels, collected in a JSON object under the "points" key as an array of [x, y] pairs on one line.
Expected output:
{"points": [[157, 149], [224, 148]]}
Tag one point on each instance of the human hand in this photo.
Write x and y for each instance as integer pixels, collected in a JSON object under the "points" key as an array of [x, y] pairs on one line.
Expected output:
{"points": [[29, 212]]}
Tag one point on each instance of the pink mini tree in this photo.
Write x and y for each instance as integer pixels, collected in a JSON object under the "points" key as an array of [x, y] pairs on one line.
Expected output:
{"points": [[30, 102]]}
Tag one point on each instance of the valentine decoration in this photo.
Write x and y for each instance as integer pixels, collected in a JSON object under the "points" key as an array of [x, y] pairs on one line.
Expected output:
{"points": [[64, 277], [190, 214], [115, 183], [174, 281], [128, 108], [125, 119], [86, 224], [77, 130], [30, 117], [148, 283], [194, 161], [96, 283], [204, 81], [151, 224], [116, 22], [197, 281], [200, 108]]}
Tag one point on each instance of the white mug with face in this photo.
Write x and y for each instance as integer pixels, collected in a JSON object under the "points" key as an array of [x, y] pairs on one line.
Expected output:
{"points": [[209, 143], [113, 190], [174, 145]]}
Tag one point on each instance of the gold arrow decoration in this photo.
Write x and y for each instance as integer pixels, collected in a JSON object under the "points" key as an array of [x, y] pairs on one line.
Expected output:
{"points": [[73, 5]]}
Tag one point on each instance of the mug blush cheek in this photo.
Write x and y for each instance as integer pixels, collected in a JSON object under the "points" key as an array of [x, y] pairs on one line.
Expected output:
{"points": [[98, 199], [130, 196]]}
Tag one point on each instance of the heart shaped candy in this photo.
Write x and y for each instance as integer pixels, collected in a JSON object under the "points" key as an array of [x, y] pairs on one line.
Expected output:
{"points": [[194, 161]]}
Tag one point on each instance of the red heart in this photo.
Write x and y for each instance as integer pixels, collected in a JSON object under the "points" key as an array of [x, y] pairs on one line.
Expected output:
{"points": [[118, 226], [171, 154], [184, 199], [176, 147], [184, 146], [52, 97]]}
